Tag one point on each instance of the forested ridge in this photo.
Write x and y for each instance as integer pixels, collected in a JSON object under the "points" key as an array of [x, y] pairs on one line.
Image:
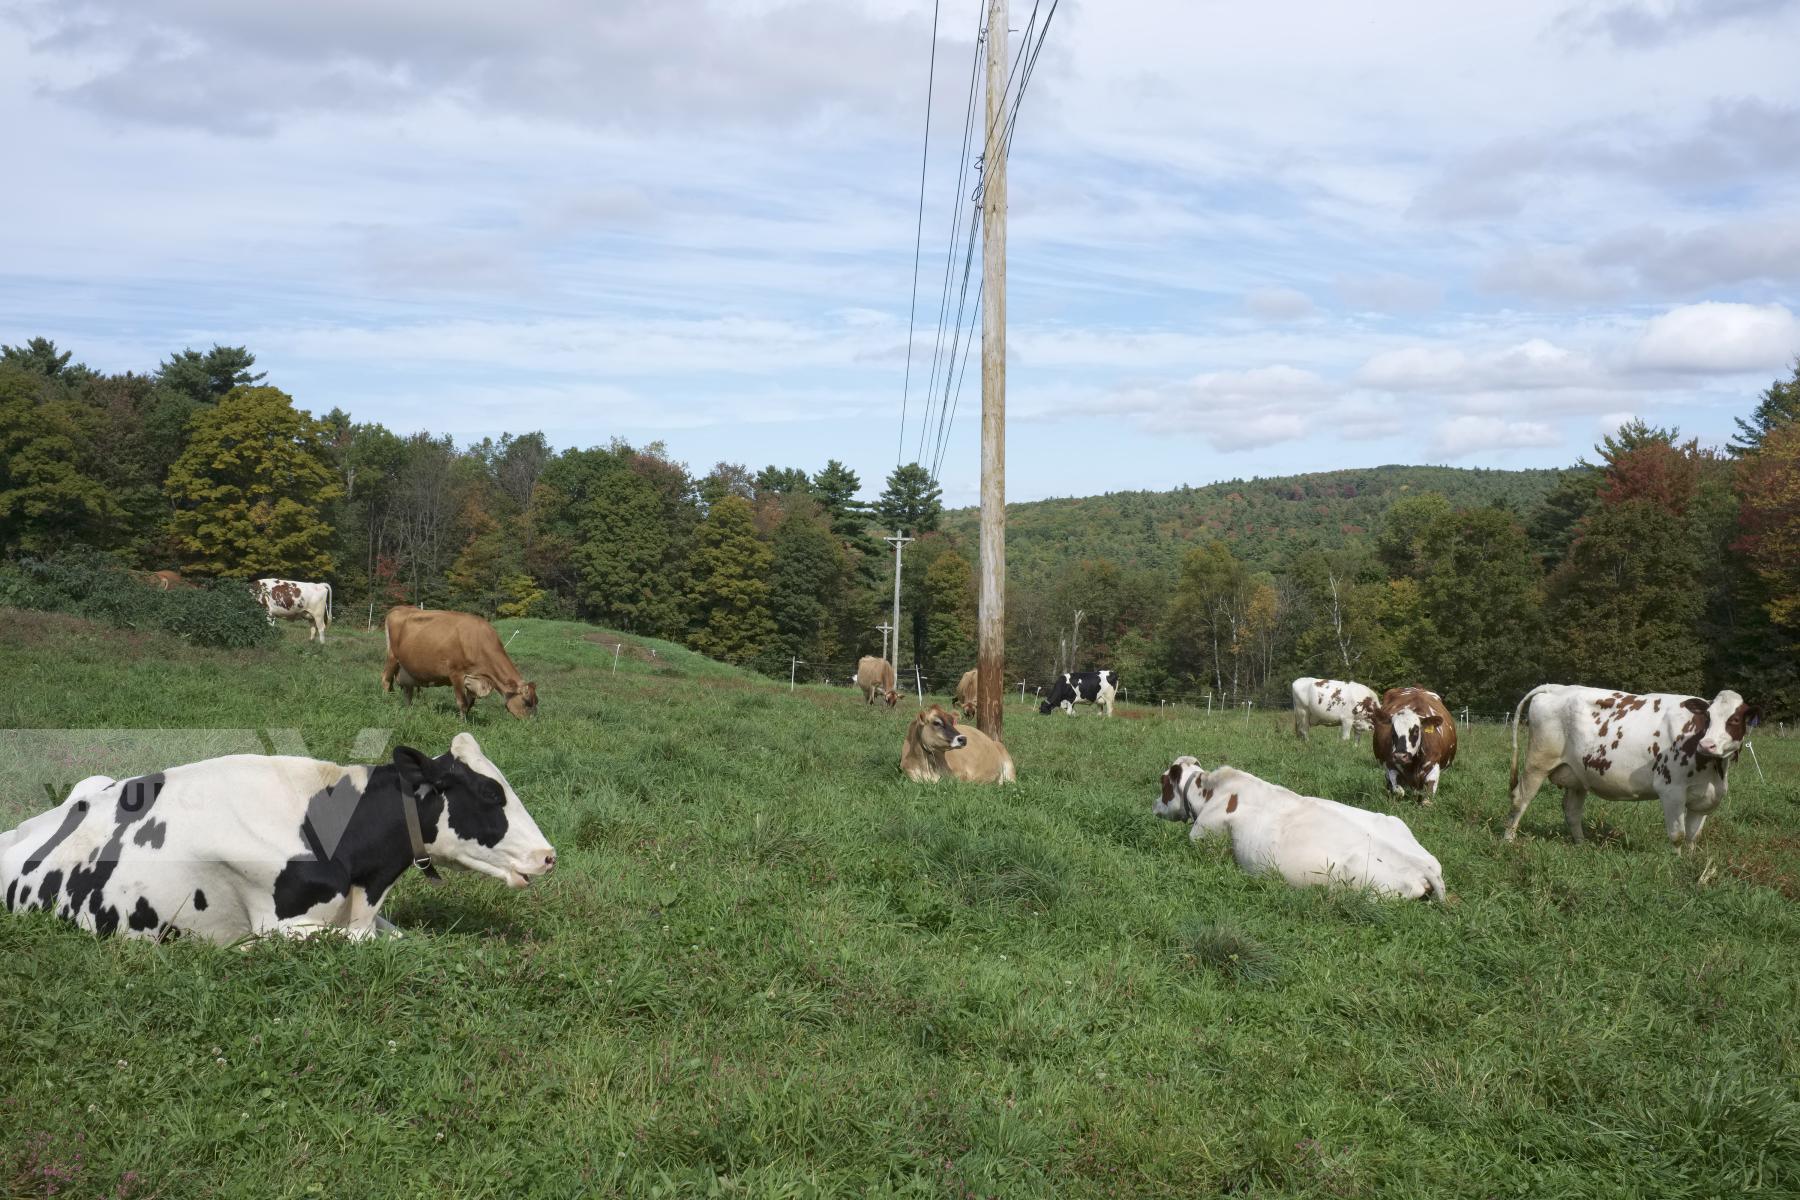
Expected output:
{"points": [[1653, 564], [1264, 521]]}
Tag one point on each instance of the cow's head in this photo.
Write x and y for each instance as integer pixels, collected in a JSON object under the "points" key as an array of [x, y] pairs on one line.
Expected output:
{"points": [[1723, 724], [1174, 805], [480, 824], [523, 703], [1363, 714], [937, 731], [1409, 728]]}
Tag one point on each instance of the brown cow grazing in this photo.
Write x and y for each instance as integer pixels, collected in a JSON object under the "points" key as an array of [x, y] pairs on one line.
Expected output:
{"points": [[935, 747], [435, 648], [875, 676], [964, 698], [167, 581], [1415, 739]]}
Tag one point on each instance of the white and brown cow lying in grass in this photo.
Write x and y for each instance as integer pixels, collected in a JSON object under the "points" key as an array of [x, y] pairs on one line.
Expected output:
{"points": [[1332, 702], [1303, 839], [935, 747], [253, 844], [1621, 746]]}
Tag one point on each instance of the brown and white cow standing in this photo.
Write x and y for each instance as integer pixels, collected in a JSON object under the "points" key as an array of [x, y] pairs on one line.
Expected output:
{"points": [[1415, 739], [437, 648], [292, 600], [1621, 746], [1332, 702], [875, 676]]}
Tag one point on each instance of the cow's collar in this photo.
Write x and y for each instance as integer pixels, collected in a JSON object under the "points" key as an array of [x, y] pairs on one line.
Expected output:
{"points": [[421, 857], [1188, 811]]}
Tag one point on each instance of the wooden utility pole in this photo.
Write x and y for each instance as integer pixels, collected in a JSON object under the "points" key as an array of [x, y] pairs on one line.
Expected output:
{"points": [[991, 619], [898, 541]]}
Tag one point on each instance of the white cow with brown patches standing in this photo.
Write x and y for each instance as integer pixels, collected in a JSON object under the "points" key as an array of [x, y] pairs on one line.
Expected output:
{"points": [[1303, 839], [1333, 702], [292, 600], [1622, 746]]}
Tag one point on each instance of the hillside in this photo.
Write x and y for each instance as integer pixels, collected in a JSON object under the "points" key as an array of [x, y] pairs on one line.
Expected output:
{"points": [[1262, 519]]}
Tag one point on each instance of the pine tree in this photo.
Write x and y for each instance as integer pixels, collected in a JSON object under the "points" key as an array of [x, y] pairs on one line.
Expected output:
{"points": [[806, 584], [911, 502], [1479, 606], [252, 489], [1627, 601], [729, 600], [950, 614], [1779, 406]]}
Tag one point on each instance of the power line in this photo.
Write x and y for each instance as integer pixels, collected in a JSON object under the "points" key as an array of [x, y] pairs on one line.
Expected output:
{"points": [[919, 232], [962, 168], [948, 403]]}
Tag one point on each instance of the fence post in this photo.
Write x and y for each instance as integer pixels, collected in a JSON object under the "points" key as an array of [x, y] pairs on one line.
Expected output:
{"points": [[1209, 702], [919, 683], [1247, 704], [793, 667], [617, 646]]}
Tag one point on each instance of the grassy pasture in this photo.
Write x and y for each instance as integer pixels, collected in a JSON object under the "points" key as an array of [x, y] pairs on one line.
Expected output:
{"points": [[768, 966]]}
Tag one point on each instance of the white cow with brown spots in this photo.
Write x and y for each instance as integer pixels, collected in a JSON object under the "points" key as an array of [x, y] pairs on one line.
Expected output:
{"points": [[1303, 839], [292, 600], [1333, 702], [1623, 746]]}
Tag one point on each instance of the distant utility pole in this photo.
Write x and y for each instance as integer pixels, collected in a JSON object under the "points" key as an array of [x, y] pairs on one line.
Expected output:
{"points": [[898, 542], [990, 696]]}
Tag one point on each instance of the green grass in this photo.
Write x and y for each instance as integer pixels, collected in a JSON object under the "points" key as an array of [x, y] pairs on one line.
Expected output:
{"points": [[769, 966]]}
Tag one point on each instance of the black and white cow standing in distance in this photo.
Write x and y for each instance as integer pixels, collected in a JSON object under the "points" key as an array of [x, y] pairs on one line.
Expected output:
{"points": [[252, 844], [1081, 687]]}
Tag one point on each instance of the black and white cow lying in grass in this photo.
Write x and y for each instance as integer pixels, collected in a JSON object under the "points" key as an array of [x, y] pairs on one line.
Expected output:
{"points": [[252, 844]]}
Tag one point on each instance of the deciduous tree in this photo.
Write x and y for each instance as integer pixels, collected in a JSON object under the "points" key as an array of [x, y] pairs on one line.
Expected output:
{"points": [[252, 489]]}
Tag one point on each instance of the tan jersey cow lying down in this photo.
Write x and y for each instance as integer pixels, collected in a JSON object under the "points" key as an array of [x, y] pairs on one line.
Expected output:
{"points": [[1303, 839], [936, 747]]}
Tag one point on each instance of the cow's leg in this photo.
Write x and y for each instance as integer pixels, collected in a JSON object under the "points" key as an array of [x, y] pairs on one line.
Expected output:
{"points": [[1524, 790], [464, 701], [1431, 782], [1574, 802], [1694, 822], [1300, 724], [1676, 816], [319, 628], [1347, 724], [1394, 781], [388, 671]]}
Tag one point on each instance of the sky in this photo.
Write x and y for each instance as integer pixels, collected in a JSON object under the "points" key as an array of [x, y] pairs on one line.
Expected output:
{"points": [[1243, 239]]}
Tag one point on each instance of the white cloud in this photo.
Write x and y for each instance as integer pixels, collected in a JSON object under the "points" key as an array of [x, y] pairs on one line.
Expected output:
{"points": [[1460, 437], [1532, 364], [1280, 304], [1719, 337]]}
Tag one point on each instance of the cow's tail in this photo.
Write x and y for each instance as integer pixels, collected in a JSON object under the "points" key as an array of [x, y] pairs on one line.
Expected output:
{"points": [[1518, 712], [328, 604]]}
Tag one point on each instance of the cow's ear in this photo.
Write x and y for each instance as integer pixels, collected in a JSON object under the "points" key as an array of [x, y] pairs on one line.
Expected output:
{"points": [[1752, 716], [1694, 704], [416, 770]]}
